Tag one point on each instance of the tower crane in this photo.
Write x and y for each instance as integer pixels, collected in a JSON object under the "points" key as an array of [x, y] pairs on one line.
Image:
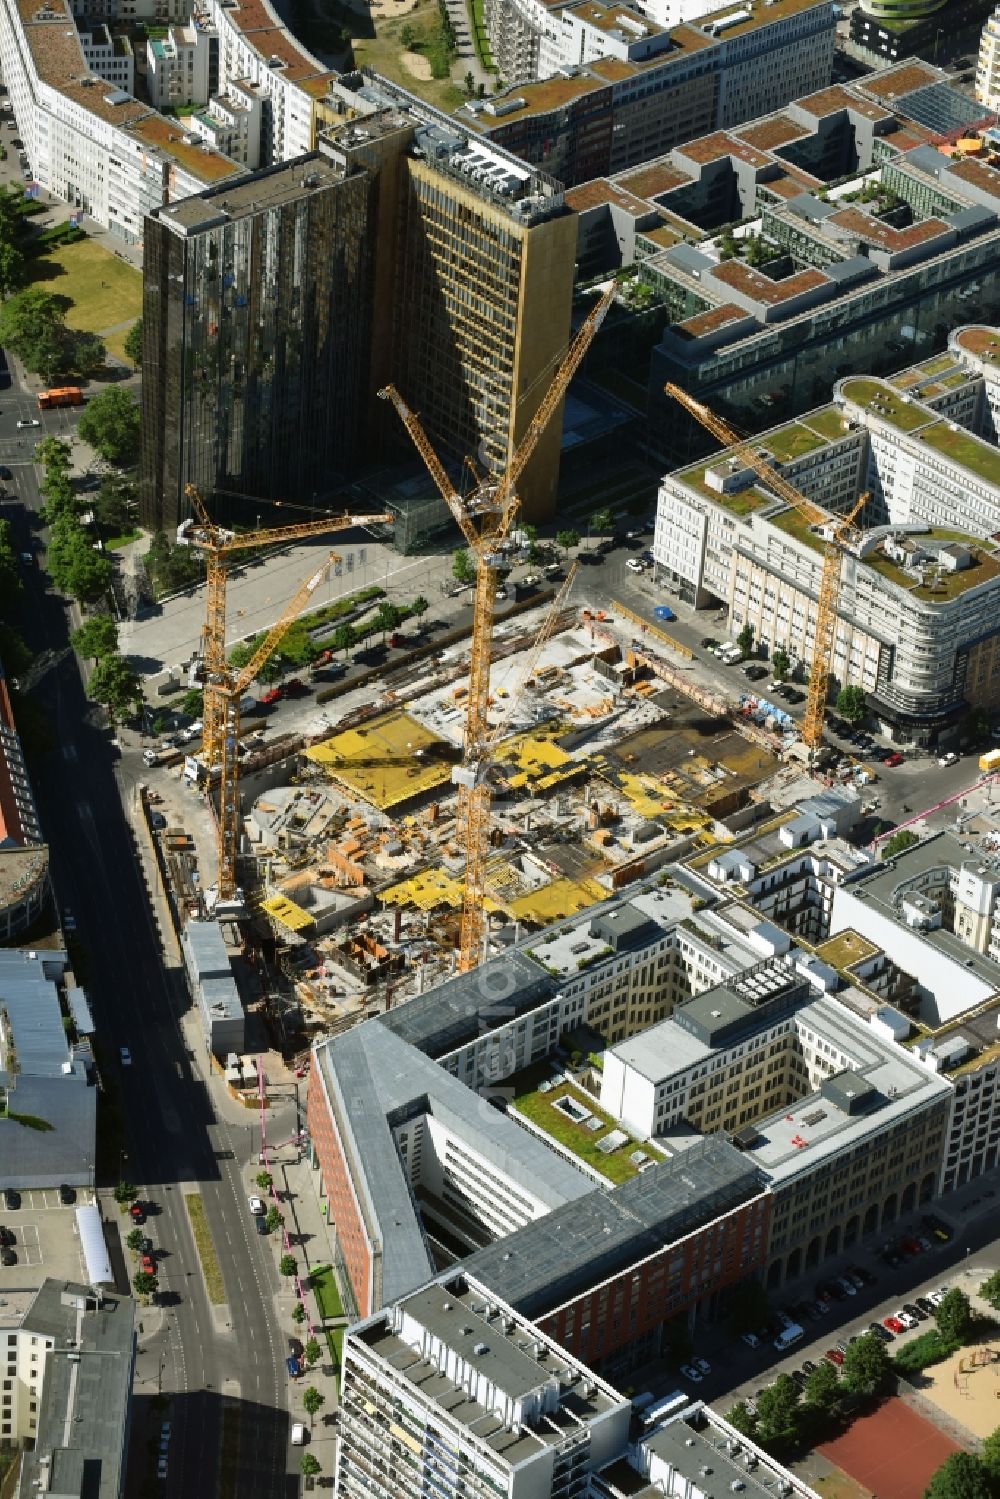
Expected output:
{"points": [[485, 517], [838, 532], [223, 685]]}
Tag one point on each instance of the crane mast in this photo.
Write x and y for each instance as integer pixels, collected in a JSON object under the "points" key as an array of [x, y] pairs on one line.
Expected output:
{"points": [[485, 517]]}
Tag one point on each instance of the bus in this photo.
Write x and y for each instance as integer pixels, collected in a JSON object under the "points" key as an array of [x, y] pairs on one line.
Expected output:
{"points": [[62, 395]]}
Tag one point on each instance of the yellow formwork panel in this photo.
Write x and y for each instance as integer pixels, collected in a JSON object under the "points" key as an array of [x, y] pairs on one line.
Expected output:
{"points": [[385, 761], [430, 890], [287, 913], [563, 897]]}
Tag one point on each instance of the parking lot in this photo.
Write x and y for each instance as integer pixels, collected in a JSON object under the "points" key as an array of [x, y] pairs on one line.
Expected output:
{"points": [[43, 1236]]}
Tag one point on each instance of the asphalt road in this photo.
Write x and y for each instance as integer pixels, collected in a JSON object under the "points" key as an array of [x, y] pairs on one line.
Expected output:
{"points": [[174, 1138]]}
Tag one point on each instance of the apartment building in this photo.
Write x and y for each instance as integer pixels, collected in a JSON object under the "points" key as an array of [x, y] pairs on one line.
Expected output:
{"points": [[109, 57], [88, 141], [988, 63], [894, 29], [917, 605], [597, 89], [178, 66], [232, 124], [68, 1358], [450, 1385]]}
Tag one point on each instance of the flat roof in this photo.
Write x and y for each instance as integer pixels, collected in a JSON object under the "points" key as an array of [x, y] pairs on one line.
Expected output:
{"points": [[252, 193], [196, 157], [470, 1004], [556, 1257]]}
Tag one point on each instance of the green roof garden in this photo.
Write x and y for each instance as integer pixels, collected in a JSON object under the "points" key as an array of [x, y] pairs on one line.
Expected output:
{"points": [[580, 1141], [963, 448], [948, 585], [830, 422], [794, 524], [741, 502], [790, 442], [892, 408]]}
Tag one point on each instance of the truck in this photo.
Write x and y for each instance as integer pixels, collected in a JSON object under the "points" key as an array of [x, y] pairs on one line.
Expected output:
{"points": [[60, 395], [990, 760]]}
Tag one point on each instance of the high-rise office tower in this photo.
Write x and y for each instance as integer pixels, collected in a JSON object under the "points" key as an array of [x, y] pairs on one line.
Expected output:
{"points": [[402, 251], [255, 340]]}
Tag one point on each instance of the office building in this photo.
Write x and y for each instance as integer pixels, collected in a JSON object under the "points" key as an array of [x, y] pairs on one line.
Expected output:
{"points": [[450, 1386], [254, 319], [884, 31], [109, 57], [68, 1360], [596, 89], [43, 1076], [435, 263], [917, 609]]}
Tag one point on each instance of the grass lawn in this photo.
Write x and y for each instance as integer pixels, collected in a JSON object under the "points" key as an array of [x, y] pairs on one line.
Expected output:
{"points": [[791, 522], [102, 290], [113, 542], [892, 408], [324, 1288], [385, 53], [335, 1343], [828, 423], [739, 502], [205, 1245]]}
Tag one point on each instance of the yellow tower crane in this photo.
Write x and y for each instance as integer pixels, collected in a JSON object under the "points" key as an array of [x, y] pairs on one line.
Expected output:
{"points": [[485, 517], [837, 530], [223, 685]]}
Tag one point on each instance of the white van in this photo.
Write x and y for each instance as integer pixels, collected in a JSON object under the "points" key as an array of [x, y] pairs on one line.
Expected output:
{"points": [[298, 1434], [788, 1337]]}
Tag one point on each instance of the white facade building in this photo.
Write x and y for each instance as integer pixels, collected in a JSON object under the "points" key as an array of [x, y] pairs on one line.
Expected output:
{"points": [[111, 58], [988, 65], [177, 67], [232, 124]]}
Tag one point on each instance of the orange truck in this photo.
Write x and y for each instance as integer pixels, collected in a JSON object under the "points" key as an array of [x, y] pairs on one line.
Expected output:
{"points": [[62, 395]]}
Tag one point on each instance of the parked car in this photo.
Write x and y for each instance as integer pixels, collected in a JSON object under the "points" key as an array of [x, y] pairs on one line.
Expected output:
{"points": [[690, 1372], [67, 1195], [28, 421], [937, 1227], [295, 687], [137, 1212], [709, 643], [925, 1305], [909, 1245], [913, 1310], [893, 1324], [751, 1339], [755, 671], [894, 758], [147, 1264], [6, 1235], [270, 697], [256, 1206], [834, 1355], [634, 565], [702, 1365], [866, 1277], [664, 612], [7, 1257], [880, 1332], [125, 1055], [906, 1318], [11, 1199], [949, 759]]}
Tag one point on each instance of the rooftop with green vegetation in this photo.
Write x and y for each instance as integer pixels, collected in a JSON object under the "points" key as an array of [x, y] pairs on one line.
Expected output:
{"points": [[946, 585], [879, 397], [830, 422], [845, 949], [540, 1108], [794, 524], [963, 447], [741, 502], [790, 442]]}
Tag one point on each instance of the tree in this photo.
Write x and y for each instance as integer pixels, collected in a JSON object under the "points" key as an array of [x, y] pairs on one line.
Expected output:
{"points": [[144, 1283], [135, 1238], [264, 1179], [727, 245], [470, 85], [387, 617], [110, 424], [11, 267], [990, 1291], [133, 343], [602, 520], [343, 638], [117, 686], [782, 662], [899, 843], [748, 1307], [86, 353], [74, 565], [31, 323], [309, 1465], [989, 1454], [777, 1412], [125, 1193], [10, 578], [567, 539], [953, 1315], [286, 1265], [54, 455], [745, 639], [113, 504], [866, 1369], [741, 1418], [273, 1220], [822, 1388], [298, 1313], [407, 37], [312, 1400], [960, 1476], [312, 1351], [95, 638], [852, 704], [419, 607], [462, 567]]}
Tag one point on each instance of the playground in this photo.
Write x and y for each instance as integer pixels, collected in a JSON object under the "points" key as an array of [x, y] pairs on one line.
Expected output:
{"points": [[966, 1387], [891, 1452]]}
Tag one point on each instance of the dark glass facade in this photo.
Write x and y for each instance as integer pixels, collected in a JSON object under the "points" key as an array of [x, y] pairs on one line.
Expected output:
{"points": [[256, 335]]}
